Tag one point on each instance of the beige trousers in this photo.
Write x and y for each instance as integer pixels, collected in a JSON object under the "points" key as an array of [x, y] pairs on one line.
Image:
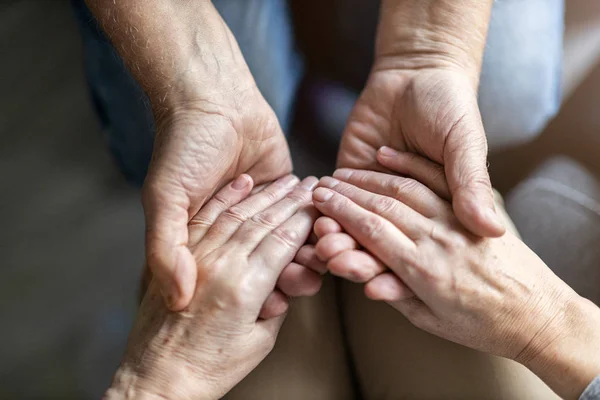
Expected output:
{"points": [[340, 345]]}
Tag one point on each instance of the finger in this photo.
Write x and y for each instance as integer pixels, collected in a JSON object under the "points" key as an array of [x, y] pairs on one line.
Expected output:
{"points": [[259, 188], [387, 287], [406, 190], [251, 233], [167, 254], [230, 195], [356, 266], [411, 222], [379, 236], [333, 244], [231, 219], [275, 305], [465, 163], [299, 281], [416, 312], [280, 246], [421, 169], [326, 225], [307, 256]]}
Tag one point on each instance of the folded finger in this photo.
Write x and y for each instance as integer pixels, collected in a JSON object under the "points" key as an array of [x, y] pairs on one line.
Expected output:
{"points": [[307, 256], [373, 232], [275, 305], [299, 281], [326, 225], [333, 244], [387, 287], [356, 266]]}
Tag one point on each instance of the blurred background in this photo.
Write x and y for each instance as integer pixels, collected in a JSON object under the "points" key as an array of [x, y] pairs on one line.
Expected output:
{"points": [[71, 243]]}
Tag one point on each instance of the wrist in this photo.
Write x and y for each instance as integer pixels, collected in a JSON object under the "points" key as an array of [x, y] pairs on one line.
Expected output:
{"points": [[158, 382], [420, 34], [566, 354], [179, 52]]}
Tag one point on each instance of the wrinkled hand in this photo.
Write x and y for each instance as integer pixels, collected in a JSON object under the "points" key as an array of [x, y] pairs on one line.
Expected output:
{"points": [[241, 245], [434, 113], [200, 146], [493, 295]]}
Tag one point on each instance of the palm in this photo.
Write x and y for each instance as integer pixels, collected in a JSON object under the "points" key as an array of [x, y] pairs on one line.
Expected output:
{"points": [[414, 112], [197, 151], [204, 151]]}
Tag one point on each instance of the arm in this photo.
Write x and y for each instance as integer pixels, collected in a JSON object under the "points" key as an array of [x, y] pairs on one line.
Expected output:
{"points": [[416, 34], [421, 97], [566, 355], [178, 51], [205, 350], [212, 123], [507, 302]]}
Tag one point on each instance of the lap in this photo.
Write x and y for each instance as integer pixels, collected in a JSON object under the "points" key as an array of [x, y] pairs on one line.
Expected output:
{"points": [[309, 359]]}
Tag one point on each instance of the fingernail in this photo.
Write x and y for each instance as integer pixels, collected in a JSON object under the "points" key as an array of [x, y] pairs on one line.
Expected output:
{"points": [[321, 195], [288, 181], [388, 152], [241, 182], [343, 173], [309, 183]]}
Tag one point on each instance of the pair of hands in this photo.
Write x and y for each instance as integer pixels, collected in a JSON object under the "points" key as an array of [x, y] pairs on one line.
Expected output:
{"points": [[201, 146], [397, 235]]}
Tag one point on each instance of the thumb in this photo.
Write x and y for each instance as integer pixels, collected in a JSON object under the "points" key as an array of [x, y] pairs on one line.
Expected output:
{"points": [[465, 164], [167, 254]]}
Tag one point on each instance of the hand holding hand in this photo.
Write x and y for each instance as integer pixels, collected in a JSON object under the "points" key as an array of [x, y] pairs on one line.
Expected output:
{"points": [[240, 246], [493, 295]]}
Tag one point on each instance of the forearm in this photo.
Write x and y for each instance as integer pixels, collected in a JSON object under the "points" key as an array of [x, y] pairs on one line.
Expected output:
{"points": [[177, 50], [567, 354], [415, 34]]}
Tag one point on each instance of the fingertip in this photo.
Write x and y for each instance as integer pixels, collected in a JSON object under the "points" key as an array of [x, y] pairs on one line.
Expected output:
{"points": [[178, 289], [479, 218], [326, 225], [321, 195], [387, 287], [242, 182], [331, 245], [276, 305]]}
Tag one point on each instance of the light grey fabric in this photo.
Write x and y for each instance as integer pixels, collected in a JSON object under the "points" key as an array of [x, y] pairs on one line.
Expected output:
{"points": [[593, 391], [557, 212]]}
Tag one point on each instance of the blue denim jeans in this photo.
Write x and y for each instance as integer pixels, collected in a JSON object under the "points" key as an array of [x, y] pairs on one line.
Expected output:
{"points": [[519, 92]]}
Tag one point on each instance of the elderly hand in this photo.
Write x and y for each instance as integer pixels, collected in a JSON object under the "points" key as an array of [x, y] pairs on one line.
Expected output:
{"points": [[421, 97], [199, 148], [240, 246], [493, 295]]}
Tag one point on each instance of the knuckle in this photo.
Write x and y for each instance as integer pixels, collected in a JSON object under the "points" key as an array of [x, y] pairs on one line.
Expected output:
{"points": [[403, 186], [371, 227], [384, 205], [220, 201], [266, 219], [235, 214], [287, 236]]}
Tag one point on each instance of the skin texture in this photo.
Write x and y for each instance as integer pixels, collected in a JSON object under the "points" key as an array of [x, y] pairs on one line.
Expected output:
{"points": [[490, 294], [241, 246], [212, 122], [421, 97]]}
